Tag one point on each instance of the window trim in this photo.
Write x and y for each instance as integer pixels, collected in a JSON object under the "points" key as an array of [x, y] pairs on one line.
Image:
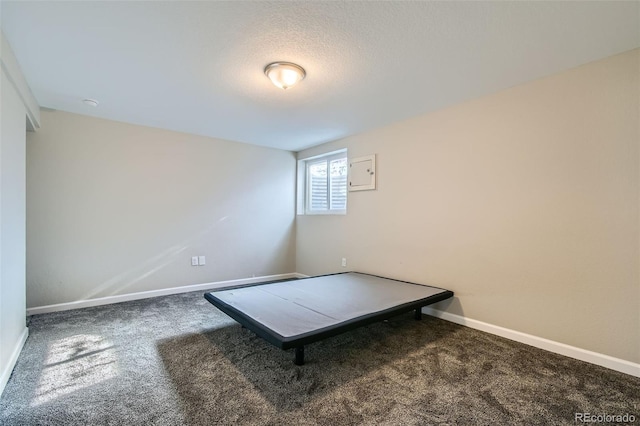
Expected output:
{"points": [[303, 190]]}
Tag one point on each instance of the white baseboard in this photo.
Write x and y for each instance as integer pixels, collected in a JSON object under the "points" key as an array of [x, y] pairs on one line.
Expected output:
{"points": [[602, 360], [299, 275], [606, 361], [155, 293], [8, 369]]}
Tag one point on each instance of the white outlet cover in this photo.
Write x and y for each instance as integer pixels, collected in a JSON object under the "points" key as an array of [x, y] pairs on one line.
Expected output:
{"points": [[202, 260], [194, 261]]}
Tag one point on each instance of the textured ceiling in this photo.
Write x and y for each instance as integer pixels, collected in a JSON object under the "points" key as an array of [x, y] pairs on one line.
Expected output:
{"points": [[197, 67]]}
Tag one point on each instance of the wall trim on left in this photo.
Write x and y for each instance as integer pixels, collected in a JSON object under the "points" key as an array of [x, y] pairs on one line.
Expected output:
{"points": [[6, 374], [155, 293], [11, 67]]}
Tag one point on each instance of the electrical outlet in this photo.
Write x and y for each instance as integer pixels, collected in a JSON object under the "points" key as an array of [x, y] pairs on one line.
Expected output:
{"points": [[344, 262], [194, 261]]}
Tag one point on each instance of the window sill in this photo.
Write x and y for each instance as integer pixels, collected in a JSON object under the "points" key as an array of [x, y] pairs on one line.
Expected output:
{"points": [[327, 213]]}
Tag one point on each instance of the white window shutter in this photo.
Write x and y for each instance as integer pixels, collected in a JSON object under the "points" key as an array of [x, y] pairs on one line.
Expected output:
{"points": [[326, 184]]}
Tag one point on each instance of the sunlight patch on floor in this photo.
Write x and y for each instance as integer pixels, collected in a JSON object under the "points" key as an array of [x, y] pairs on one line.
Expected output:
{"points": [[74, 363]]}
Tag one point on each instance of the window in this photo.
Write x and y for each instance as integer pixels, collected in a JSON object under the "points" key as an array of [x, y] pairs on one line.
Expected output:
{"points": [[322, 184]]}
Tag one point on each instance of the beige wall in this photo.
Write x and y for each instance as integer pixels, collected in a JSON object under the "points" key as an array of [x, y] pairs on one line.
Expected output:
{"points": [[114, 208], [525, 203], [12, 226], [16, 115]]}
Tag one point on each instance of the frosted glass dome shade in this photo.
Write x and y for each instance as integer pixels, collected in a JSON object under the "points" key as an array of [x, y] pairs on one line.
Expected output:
{"points": [[284, 74]]}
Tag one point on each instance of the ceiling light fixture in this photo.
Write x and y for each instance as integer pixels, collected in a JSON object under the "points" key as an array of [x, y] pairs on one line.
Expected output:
{"points": [[284, 74], [90, 102]]}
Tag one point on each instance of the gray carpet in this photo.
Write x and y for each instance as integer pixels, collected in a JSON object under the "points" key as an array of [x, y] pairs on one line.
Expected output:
{"points": [[177, 360]]}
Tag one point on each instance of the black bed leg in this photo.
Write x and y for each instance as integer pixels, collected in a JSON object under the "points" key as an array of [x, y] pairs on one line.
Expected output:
{"points": [[299, 356], [418, 314]]}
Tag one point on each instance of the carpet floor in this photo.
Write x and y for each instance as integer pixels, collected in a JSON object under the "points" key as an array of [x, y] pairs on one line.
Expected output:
{"points": [[177, 360]]}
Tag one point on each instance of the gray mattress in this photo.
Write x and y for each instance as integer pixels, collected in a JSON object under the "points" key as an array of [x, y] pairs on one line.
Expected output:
{"points": [[293, 313]]}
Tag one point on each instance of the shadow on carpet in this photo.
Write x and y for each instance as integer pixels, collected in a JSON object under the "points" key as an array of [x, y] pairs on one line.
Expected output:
{"points": [[397, 372]]}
